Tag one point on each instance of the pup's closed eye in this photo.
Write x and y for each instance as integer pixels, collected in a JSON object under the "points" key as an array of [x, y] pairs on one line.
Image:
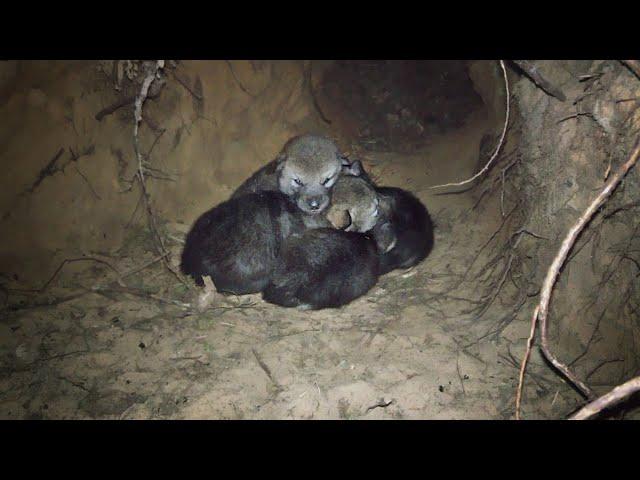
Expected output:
{"points": [[327, 180]]}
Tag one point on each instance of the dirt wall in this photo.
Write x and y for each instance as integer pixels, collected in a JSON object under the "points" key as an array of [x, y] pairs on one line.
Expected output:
{"points": [[568, 150], [67, 185]]}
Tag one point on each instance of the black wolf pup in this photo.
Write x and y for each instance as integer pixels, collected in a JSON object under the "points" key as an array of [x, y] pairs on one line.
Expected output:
{"points": [[238, 241], [323, 268]]}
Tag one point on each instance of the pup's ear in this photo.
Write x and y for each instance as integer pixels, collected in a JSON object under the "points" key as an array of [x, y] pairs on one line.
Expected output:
{"points": [[340, 219], [276, 165], [279, 162], [354, 168]]}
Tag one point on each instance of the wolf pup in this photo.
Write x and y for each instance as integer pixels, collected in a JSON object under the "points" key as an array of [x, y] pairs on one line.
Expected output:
{"points": [[237, 242], [398, 221], [305, 171], [323, 268]]}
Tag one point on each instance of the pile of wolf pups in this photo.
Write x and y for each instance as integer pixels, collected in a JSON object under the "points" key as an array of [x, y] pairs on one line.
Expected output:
{"points": [[309, 230]]}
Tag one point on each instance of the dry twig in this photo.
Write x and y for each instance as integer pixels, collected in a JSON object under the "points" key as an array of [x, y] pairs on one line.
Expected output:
{"points": [[48, 170], [536, 77], [238, 82], [185, 84], [634, 66], [151, 76], [524, 362], [612, 398], [59, 269]]}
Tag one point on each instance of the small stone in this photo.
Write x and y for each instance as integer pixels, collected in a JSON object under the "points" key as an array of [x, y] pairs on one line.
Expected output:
{"points": [[142, 345], [441, 388]]}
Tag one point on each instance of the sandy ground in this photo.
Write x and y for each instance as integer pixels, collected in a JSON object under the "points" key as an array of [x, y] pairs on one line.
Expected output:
{"points": [[391, 354]]}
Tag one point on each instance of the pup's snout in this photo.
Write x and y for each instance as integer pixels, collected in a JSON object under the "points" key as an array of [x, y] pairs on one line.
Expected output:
{"points": [[314, 203]]}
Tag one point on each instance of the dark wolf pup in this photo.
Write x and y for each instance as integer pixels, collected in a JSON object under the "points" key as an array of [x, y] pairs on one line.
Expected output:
{"points": [[323, 268], [237, 242], [397, 220]]}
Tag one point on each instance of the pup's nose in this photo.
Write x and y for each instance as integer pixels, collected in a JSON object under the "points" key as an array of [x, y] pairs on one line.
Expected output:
{"points": [[314, 203]]}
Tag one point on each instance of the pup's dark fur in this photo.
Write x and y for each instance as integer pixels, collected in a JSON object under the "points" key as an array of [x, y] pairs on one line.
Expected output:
{"points": [[407, 222], [237, 242], [323, 268]]}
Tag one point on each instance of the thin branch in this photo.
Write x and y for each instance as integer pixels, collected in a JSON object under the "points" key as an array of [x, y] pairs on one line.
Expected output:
{"points": [[59, 269], [634, 66], [238, 82], [612, 398], [575, 115], [265, 369], [495, 154], [117, 105], [536, 77], [565, 248], [48, 170], [88, 183], [153, 92], [147, 86], [185, 84], [525, 359], [137, 292]]}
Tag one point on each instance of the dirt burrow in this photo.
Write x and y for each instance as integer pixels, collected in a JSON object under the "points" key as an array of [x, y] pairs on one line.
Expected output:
{"points": [[421, 344]]}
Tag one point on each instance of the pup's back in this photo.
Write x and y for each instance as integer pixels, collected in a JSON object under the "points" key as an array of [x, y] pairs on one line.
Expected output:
{"points": [[412, 227], [237, 242], [323, 268]]}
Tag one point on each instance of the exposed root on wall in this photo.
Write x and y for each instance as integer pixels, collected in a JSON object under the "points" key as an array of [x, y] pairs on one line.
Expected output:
{"points": [[609, 123], [542, 310]]}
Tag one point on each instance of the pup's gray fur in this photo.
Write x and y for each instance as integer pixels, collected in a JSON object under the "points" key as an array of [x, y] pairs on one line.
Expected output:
{"points": [[305, 171]]}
